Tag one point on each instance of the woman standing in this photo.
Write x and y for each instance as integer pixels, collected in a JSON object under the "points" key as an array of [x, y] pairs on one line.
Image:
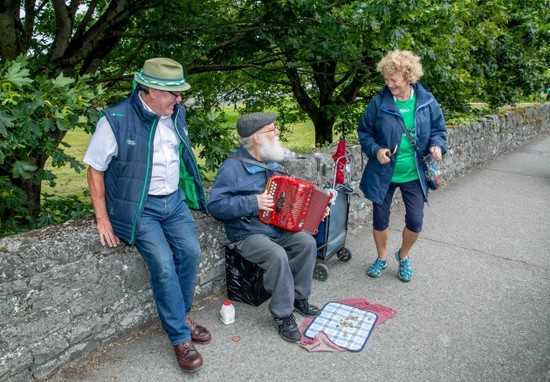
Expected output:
{"points": [[402, 103]]}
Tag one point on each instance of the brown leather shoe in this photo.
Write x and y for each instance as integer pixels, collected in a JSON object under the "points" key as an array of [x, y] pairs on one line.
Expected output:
{"points": [[199, 334], [188, 358]]}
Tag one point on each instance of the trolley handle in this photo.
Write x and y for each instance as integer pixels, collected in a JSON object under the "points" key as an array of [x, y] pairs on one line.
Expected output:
{"points": [[344, 129]]}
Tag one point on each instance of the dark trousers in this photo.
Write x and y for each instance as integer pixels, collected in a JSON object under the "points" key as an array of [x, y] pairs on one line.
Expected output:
{"points": [[414, 207], [288, 262]]}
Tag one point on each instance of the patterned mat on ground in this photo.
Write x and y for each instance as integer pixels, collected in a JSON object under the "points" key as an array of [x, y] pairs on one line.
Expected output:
{"points": [[321, 342], [346, 326]]}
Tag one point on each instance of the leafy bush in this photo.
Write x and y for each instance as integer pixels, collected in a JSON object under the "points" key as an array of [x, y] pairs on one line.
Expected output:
{"points": [[212, 136], [59, 209], [13, 208], [38, 108]]}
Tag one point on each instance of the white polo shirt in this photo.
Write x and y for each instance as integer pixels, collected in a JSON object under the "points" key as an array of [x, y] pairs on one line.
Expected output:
{"points": [[165, 175]]}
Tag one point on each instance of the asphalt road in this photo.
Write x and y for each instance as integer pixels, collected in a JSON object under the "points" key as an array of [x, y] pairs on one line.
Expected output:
{"points": [[477, 309]]}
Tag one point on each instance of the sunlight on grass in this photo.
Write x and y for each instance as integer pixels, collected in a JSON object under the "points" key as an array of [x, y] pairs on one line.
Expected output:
{"points": [[300, 137], [68, 181]]}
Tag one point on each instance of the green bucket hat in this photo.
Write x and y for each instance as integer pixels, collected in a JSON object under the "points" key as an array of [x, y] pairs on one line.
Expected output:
{"points": [[162, 74]]}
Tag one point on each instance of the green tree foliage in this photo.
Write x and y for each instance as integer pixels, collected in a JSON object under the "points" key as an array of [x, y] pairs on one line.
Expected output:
{"points": [[37, 111], [323, 54], [320, 55], [46, 50], [215, 137], [511, 65], [74, 36]]}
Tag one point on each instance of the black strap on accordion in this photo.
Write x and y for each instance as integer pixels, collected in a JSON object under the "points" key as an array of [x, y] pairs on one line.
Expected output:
{"points": [[260, 164]]}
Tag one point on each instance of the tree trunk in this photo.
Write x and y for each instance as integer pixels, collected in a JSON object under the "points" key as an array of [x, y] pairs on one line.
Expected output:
{"points": [[33, 191], [31, 186], [323, 129]]}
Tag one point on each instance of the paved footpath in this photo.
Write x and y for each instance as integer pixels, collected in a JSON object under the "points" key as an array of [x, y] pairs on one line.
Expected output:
{"points": [[478, 308]]}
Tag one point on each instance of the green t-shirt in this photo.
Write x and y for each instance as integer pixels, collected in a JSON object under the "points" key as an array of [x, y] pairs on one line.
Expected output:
{"points": [[405, 166]]}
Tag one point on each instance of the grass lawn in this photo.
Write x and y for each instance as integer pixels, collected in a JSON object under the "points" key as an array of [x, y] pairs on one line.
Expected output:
{"points": [[300, 137], [68, 181]]}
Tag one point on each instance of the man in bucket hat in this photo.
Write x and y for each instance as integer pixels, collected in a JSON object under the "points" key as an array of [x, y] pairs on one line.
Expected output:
{"points": [[143, 178], [238, 196]]}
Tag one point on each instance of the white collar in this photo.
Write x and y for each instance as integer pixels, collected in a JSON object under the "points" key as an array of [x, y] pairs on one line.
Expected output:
{"points": [[412, 94]]}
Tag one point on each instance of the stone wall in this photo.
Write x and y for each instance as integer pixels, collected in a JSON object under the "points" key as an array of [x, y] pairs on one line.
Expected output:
{"points": [[62, 295]]}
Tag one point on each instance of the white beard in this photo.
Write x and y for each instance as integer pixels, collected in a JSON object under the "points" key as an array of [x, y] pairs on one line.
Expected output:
{"points": [[271, 149]]}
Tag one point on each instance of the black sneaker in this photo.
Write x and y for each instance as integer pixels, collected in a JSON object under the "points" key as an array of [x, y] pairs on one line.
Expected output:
{"points": [[288, 328], [305, 308]]}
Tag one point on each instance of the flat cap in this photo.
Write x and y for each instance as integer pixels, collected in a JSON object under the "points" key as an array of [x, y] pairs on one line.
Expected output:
{"points": [[248, 124]]}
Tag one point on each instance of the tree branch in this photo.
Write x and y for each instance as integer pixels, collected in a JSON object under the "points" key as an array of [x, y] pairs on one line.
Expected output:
{"points": [[87, 17], [99, 39], [62, 31], [302, 98], [30, 18], [73, 8], [11, 43]]}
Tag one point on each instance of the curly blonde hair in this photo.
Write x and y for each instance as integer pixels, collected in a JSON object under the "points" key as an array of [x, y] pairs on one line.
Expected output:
{"points": [[401, 62]]}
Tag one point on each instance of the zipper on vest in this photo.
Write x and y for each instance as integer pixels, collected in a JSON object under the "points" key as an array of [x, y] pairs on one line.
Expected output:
{"points": [[146, 182], [192, 159]]}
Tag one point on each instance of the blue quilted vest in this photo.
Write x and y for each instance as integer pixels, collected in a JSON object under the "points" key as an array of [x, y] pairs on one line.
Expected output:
{"points": [[128, 176]]}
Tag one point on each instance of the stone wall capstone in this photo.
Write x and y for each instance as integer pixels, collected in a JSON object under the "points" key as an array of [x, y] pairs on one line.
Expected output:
{"points": [[62, 295]]}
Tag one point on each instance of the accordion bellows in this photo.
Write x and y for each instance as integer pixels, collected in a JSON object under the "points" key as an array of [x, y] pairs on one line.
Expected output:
{"points": [[299, 204]]}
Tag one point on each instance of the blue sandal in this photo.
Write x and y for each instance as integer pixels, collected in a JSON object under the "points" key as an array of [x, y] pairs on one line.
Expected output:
{"points": [[375, 270], [405, 272]]}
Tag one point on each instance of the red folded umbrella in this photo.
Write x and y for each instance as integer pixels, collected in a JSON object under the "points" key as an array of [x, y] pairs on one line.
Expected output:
{"points": [[340, 158]]}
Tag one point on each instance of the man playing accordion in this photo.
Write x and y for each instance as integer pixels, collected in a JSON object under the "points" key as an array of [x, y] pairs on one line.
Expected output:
{"points": [[238, 197]]}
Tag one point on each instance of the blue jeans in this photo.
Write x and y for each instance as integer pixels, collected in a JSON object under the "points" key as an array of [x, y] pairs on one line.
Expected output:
{"points": [[167, 239]]}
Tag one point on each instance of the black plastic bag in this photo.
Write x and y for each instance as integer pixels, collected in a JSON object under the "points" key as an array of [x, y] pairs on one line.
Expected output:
{"points": [[244, 279]]}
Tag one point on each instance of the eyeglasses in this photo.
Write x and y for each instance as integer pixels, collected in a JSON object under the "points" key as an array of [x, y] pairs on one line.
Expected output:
{"points": [[268, 131], [175, 94]]}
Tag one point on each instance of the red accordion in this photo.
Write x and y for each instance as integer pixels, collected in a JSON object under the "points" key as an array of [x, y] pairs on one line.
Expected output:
{"points": [[299, 205]]}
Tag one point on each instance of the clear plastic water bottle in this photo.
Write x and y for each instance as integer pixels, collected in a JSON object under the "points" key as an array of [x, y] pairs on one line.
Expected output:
{"points": [[227, 312]]}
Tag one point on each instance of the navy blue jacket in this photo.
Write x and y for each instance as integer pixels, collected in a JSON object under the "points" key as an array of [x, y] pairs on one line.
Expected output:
{"points": [[233, 197], [380, 127], [128, 177]]}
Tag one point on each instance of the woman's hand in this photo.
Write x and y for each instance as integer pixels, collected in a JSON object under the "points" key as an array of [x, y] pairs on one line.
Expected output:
{"points": [[436, 152], [384, 154]]}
